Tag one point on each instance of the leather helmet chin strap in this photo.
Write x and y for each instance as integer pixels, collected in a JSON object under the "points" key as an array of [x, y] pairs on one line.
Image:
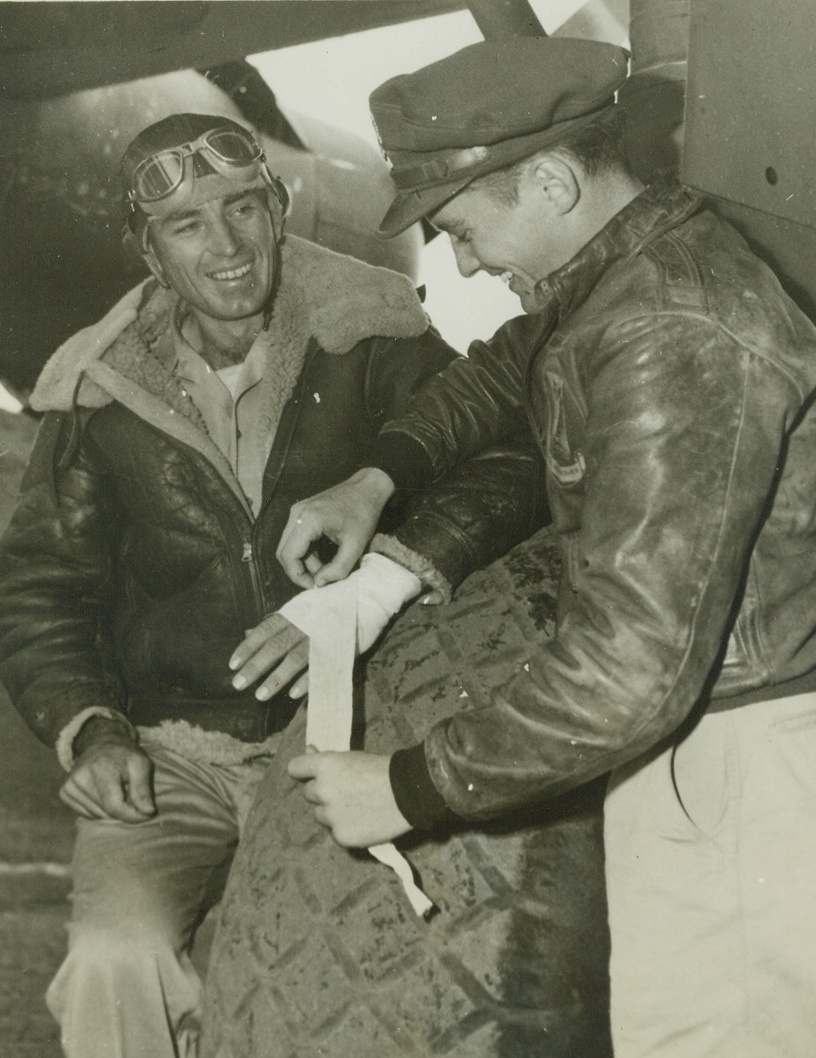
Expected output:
{"points": [[276, 187], [269, 305]]}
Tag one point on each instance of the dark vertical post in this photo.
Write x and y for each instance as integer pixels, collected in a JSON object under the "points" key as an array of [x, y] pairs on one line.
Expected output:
{"points": [[506, 18], [654, 96]]}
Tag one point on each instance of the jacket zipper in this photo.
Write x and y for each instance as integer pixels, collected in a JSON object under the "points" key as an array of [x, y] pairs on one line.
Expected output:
{"points": [[256, 597]]}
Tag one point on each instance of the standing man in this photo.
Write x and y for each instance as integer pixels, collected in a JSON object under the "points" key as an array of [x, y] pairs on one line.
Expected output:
{"points": [[248, 373], [670, 383]]}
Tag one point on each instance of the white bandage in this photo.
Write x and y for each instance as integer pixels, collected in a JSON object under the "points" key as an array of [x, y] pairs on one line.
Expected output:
{"points": [[332, 620], [381, 586]]}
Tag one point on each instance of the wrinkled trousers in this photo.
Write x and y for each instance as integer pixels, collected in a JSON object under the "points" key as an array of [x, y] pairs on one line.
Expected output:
{"points": [[127, 988], [711, 878]]}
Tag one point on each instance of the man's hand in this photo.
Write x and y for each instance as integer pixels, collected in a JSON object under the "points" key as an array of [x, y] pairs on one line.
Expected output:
{"points": [[347, 514], [352, 796], [275, 644], [112, 777]]}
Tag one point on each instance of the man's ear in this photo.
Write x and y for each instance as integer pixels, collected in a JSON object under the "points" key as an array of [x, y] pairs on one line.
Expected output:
{"points": [[557, 179], [154, 264]]}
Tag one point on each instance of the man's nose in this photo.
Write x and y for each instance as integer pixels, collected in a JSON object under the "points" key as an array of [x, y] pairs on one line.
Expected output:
{"points": [[466, 261], [222, 239]]}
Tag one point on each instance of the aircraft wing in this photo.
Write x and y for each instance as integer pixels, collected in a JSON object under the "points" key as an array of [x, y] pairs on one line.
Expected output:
{"points": [[52, 48]]}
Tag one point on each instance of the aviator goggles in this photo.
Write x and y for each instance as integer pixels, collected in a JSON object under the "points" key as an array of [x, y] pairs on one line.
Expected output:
{"points": [[227, 151]]}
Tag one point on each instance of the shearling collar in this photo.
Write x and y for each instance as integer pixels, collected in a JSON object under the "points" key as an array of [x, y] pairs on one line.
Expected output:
{"points": [[336, 300]]}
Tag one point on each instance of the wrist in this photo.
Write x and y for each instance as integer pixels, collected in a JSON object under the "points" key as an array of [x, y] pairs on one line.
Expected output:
{"points": [[377, 484], [65, 745], [100, 729]]}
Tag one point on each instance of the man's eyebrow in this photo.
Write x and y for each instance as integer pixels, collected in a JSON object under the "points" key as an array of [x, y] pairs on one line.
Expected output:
{"points": [[179, 216], [238, 195]]}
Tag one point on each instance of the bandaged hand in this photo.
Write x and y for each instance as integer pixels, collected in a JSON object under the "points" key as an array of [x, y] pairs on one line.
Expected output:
{"points": [[277, 649]]}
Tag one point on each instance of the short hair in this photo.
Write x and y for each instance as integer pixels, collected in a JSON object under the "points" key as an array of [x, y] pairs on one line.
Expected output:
{"points": [[597, 147]]}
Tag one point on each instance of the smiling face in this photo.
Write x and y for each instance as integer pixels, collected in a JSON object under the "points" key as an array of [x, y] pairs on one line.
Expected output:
{"points": [[522, 241], [220, 255]]}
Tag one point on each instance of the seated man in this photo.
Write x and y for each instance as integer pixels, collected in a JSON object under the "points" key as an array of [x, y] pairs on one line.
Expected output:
{"points": [[670, 382], [248, 373]]}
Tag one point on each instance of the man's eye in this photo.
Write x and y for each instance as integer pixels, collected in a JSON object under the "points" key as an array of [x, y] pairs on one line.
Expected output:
{"points": [[186, 229]]}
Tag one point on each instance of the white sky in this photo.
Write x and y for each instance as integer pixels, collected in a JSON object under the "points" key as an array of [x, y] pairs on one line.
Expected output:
{"points": [[332, 79]]}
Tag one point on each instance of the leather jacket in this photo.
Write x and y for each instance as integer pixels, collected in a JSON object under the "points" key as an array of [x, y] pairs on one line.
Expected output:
{"points": [[134, 564], [670, 384]]}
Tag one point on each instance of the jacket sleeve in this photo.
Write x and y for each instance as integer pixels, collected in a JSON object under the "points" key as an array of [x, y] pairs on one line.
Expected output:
{"points": [[685, 434], [476, 510], [475, 402], [55, 586]]}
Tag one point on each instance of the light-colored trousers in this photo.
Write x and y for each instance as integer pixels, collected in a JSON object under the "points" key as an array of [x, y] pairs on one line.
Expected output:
{"points": [[711, 878], [127, 988]]}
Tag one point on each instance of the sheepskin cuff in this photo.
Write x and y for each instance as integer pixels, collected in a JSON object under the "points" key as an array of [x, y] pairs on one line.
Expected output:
{"points": [[206, 747], [419, 565], [65, 741]]}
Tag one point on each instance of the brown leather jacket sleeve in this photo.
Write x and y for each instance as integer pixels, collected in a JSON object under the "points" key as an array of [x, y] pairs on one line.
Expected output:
{"points": [[684, 436], [462, 515], [55, 577]]}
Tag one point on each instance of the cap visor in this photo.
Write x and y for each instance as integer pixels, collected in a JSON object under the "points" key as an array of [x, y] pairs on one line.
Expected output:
{"points": [[411, 206]]}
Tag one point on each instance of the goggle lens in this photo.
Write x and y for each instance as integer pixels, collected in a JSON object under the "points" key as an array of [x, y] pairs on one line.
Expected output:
{"points": [[160, 175], [232, 147]]}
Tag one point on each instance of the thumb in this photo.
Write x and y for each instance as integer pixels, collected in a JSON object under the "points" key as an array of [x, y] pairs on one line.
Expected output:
{"points": [[342, 564], [140, 790]]}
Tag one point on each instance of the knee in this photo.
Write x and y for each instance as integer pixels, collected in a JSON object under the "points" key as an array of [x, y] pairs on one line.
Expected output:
{"points": [[124, 944]]}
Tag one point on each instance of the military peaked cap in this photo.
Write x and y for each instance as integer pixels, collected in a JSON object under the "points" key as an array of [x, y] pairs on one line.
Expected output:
{"points": [[484, 108]]}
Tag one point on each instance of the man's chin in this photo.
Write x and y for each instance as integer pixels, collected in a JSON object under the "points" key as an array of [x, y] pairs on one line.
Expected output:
{"points": [[529, 302], [240, 309]]}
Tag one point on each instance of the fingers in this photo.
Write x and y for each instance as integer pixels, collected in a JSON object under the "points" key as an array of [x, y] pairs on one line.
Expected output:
{"points": [[139, 789], [313, 564], [102, 800], [112, 786], [296, 542], [348, 554], [305, 766], [273, 630], [78, 801], [275, 649], [294, 662], [301, 687]]}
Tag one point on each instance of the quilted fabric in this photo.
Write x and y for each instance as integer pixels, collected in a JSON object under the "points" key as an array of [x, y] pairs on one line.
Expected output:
{"points": [[318, 951]]}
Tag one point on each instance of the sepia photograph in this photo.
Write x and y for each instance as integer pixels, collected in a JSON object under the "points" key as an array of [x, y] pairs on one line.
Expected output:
{"points": [[407, 527]]}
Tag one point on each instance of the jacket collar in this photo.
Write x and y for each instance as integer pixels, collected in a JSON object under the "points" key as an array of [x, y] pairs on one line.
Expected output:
{"points": [[336, 300], [657, 209]]}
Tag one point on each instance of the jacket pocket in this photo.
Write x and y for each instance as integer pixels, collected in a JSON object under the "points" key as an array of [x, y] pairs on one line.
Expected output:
{"points": [[566, 466]]}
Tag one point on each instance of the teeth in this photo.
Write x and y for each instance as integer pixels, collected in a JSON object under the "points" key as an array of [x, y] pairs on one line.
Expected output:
{"points": [[232, 273], [506, 277]]}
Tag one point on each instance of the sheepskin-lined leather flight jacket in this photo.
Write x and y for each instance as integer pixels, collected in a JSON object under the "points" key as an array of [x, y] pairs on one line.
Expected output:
{"points": [[670, 383], [134, 565]]}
